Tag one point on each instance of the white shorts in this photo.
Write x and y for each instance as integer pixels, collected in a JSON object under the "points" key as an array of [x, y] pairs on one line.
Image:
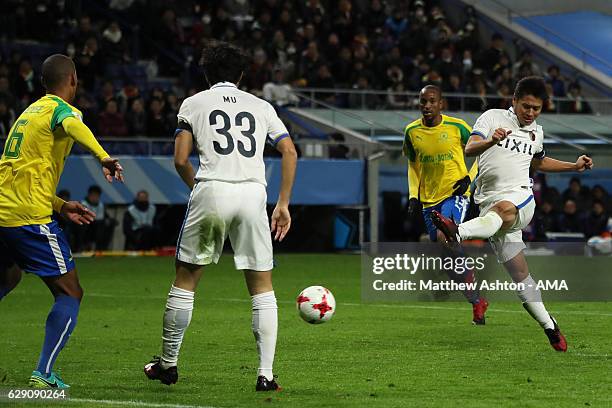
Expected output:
{"points": [[508, 243], [219, 209]]}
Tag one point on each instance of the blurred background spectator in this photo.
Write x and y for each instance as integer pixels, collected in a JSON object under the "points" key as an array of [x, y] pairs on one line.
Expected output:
{"points": [[545, 219], [596, 221], [578, 193], [570, 219], [139, 224], [97, 235], [111, 122], [278, 91], [577, 104]]}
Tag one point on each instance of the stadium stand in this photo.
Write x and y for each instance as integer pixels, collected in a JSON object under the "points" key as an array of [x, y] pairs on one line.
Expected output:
{"points": [[351, 69]]}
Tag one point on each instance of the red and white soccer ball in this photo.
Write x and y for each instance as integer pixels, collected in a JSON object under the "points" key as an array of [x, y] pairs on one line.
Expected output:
{"points": [[316, 304]]}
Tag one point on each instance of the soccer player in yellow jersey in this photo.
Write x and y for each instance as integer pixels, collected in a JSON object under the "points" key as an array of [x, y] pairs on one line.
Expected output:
{"points": [[30, 168], [437, 175]]}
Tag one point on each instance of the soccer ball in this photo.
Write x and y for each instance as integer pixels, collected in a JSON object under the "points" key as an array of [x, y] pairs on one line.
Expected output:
{"points": [[316, 304]]}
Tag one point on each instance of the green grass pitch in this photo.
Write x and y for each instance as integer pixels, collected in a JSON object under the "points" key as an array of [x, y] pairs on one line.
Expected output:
{"points": [[374, 355]]}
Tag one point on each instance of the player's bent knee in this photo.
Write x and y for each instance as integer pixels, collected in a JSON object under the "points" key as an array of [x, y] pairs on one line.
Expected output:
{"points": [[74, 290], [67, 284], [506, 211]]}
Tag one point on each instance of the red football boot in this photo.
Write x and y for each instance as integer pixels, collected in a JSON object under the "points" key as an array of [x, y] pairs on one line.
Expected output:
{"points": [[478, 311], [447, 226], [556, 338]]}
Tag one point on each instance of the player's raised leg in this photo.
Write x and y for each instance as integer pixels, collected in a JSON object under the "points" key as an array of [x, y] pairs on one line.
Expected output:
{"points": [[177, 317], [531, 297], [501, 216], [264, 325]]}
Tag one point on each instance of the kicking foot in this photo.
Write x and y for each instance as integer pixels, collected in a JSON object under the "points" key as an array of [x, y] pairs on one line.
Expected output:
{"points": [[446, 226], [154, 371]]}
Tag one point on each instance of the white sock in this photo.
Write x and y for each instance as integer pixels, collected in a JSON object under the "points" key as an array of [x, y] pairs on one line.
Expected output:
{"points": [[177, 317], [532, 302], [265, 327], [481, 227]]}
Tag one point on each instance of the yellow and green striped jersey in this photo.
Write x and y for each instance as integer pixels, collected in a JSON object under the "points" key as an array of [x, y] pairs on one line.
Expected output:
{"points": [[436, 159], [33, 160]]}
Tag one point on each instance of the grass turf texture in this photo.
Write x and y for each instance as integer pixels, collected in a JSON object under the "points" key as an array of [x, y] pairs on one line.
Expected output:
{"points": [[399, 355]]}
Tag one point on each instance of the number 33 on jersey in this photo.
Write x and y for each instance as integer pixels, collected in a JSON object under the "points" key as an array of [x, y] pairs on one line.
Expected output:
{"points": [[230, 128]]}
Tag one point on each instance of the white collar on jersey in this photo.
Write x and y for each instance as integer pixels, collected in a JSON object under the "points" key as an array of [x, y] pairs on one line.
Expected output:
{"points": [[528, 128], [223, 85]]}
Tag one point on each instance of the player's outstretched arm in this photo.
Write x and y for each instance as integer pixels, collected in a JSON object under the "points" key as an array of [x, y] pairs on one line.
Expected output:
{"points": [[551, 165], [83, 136], [281, 219], [183, 145], [477, 145]]}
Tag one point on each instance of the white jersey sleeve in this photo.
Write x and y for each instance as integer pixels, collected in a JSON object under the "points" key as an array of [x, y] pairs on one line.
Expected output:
{"points": [[185, 113], [484, 126], [276, 128]]}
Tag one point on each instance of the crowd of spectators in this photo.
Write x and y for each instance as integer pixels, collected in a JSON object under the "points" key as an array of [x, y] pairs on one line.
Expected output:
{"points": [[360, 44], [579, 209]]}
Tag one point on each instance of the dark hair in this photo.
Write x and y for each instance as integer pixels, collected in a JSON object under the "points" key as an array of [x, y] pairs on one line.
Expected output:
{"points": [[531, 85], [223, 62], [55, 70], [94, 189]]}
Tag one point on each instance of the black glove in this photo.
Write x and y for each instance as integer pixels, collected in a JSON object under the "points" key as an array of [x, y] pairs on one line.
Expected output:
{"points": [[413, 206], [461, 186]]}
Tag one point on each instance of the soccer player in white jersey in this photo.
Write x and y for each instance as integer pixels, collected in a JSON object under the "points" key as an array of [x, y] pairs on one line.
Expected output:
{"points": [[229, 129], [508, 143]]}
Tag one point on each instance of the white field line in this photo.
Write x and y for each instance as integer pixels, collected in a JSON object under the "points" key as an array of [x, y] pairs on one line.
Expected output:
{"points": [[132, 403], [592, 355], [398, 306], [392, 306]]}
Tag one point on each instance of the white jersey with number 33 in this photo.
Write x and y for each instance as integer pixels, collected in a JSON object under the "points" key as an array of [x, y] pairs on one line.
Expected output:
{"points": [[230, 128]]}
